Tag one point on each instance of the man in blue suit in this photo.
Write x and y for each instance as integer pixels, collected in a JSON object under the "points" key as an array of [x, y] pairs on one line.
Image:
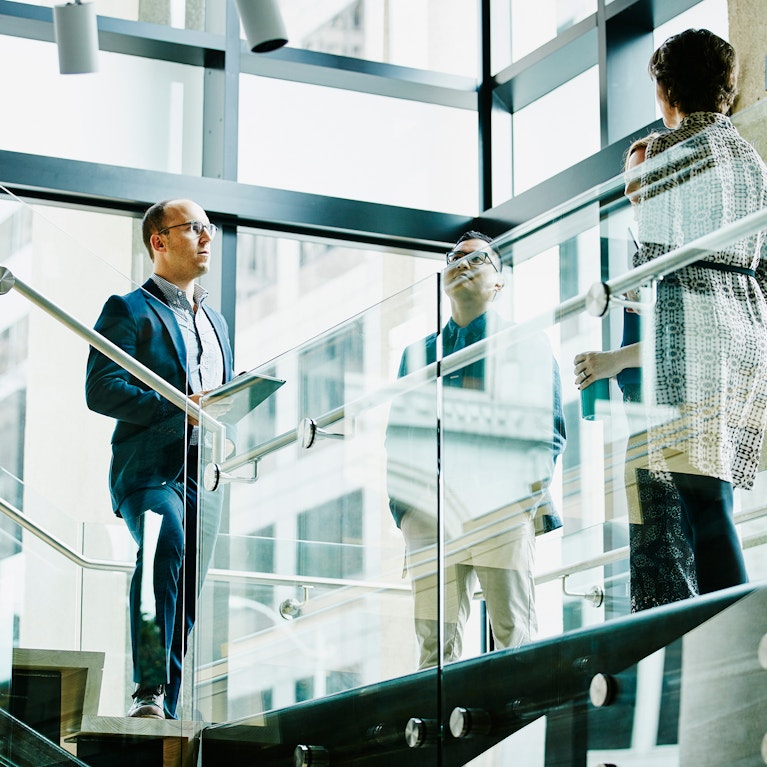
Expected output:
{"points": [[167, 326]]}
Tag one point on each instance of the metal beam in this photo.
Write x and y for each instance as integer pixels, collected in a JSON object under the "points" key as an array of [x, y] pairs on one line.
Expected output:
{"points": [[96, 186], [191, 47]]}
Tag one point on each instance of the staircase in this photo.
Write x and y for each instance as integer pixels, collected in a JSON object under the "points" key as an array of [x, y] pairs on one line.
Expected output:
{"points": [[587, 685], [586, 692], [53, 718]]}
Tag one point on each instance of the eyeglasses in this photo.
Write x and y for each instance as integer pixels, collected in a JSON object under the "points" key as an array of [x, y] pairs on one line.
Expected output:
{"points": [[475, 259], [197, 228]]}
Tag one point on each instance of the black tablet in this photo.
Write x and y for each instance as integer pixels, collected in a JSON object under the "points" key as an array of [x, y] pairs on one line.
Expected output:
{"points": [[252, 388]]}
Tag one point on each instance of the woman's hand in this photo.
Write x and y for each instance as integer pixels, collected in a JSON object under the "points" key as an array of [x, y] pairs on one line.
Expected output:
{"points": [[593, 366]]}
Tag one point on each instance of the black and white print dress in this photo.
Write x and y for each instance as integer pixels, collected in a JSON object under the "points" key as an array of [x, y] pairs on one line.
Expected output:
{"points": [[706, 345]]}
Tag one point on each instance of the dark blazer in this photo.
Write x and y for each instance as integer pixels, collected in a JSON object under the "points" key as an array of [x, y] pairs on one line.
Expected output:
{"points": [[150, 440]]}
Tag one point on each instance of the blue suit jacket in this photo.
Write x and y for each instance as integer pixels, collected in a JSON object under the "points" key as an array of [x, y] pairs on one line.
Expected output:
{"points": [[150, 440]]}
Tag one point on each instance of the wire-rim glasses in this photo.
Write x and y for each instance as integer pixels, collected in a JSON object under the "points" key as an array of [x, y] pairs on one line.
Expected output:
{"points": [[197, 227]]}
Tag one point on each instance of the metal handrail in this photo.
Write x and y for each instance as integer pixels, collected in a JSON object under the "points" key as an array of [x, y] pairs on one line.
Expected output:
{"points": [[87, 563], [271, 579], [685, 255], [217, 574], [9, 281]]}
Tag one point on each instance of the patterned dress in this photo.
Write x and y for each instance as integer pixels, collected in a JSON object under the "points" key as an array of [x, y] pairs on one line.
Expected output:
{"points": [[707, 343]]}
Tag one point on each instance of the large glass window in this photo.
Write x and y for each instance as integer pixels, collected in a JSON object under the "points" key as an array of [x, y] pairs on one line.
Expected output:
{"points": [[519, 26], [708, 14], [418, 34], [133, 112], [183, 14], [290, 290], [357, 145], [547, 139]]}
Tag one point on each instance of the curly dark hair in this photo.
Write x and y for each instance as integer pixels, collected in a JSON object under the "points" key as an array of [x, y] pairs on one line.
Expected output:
{"points": [[698, 70]]}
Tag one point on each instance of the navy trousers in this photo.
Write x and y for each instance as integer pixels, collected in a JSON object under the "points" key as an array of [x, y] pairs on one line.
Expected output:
{"points": [[168, 577]]}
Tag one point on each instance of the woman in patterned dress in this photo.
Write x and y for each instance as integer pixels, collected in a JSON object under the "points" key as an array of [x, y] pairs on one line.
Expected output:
{"points": [[705, 356], [661, 562]]}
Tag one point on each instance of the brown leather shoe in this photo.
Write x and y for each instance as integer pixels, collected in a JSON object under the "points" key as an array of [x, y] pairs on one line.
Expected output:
{"points": [[148, 702]]}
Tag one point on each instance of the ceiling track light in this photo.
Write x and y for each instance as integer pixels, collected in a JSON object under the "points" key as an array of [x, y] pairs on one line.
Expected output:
{"points": [[76, 34], [263, 24]]}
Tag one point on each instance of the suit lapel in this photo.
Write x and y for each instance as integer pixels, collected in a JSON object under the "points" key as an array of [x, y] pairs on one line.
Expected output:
{"points": [[156, 303]]}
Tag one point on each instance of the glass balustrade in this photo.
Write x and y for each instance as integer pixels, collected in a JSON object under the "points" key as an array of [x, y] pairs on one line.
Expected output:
{"points": [[314, 602], [53, 459], [65, 645], [368, 491], [67, 559]]}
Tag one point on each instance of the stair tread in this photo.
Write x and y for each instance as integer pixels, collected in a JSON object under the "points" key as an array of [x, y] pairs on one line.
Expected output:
{"points": [[135, 726]]}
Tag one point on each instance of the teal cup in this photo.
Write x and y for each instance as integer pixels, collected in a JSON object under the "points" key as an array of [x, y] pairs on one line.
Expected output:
{"points": [[599, 390]]}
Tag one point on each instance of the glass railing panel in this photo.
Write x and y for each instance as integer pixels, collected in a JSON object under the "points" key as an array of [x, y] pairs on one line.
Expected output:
{"points": [[309, 560], [55, 446], [64, 601], [750, 123], [586, 245], [40, 247], [547, 264], [583, 571], [65, 637], [10, 545], [42, 367], [636, 690], [503, 431]]}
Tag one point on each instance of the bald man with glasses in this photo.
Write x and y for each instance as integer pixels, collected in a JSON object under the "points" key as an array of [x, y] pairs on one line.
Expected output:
{"points": [[167, 326], [501, 431]]}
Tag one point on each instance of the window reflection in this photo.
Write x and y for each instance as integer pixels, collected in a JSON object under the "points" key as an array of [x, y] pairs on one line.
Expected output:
{"points": [[330, 538], [257, 259], [325, 370], [329, 281]]}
